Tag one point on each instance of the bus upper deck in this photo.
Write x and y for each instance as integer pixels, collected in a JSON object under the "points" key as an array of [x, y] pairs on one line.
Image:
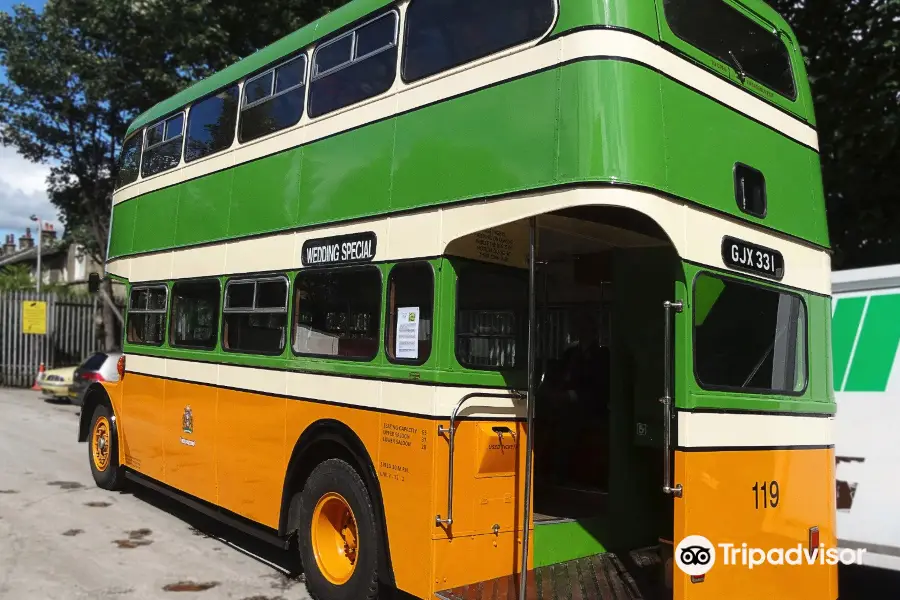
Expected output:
{"points": [[434, 103]]}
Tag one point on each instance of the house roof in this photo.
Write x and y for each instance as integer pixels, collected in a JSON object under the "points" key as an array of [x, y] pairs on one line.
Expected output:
{"points": [[30, 255]]}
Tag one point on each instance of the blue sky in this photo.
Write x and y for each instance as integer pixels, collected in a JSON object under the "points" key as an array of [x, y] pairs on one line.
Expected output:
{"points": [[22, 184]]}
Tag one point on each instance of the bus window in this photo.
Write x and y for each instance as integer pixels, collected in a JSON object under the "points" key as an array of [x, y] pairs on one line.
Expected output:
{"points": [[722, 31], [443, 34], [130, 159], [337, 313], [162, 147], [410, 306], [274, 100], [748, 338], [147, 315], [491, 317], [211, 124], [195, 314], [357, 65], [255, 315]]}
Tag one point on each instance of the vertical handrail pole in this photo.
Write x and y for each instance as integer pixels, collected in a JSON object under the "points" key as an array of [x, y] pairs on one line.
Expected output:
{"points": [[667, 401], [529, 406]]}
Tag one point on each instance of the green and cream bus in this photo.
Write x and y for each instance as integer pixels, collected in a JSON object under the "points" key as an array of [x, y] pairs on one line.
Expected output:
{"points": [[466, 298]]}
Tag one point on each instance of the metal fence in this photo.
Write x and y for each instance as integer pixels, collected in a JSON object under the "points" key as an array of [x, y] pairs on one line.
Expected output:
{"points": [[69, 334]]}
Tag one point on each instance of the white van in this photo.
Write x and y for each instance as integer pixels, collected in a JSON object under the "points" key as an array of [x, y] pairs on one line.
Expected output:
{"points": [[865, 336]]}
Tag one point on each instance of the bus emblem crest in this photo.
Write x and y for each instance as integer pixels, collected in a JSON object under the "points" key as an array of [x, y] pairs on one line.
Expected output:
{"points": [[187, 421]]}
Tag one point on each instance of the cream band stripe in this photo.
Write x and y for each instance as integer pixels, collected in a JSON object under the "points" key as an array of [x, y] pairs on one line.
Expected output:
{"points": [[429, 233]]}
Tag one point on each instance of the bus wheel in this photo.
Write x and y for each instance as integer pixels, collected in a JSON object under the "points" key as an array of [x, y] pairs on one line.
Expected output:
{"points": [[337, 535], [103, 447]]}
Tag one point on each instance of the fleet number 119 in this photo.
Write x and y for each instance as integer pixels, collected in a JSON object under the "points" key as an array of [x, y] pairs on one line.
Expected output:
{"points": [[765, 493]]}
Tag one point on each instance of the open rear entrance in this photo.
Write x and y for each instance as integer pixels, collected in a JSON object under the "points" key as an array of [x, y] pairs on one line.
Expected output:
{"points": [[602, 523]]}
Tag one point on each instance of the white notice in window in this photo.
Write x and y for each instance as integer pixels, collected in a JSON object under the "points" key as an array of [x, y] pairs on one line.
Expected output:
{"points": [[407, 333]]}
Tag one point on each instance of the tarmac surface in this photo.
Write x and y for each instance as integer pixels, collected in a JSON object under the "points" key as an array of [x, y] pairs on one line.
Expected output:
{"points": [[61, 537]]}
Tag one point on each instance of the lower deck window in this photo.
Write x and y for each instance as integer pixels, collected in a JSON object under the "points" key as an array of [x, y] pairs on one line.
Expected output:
{"points": [[147, 315], [195, 314], [337, 313], [410, 299], [255, 320], [748, 338], [491, 317]]}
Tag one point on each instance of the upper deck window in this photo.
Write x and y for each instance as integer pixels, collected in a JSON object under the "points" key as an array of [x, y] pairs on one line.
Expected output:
{"points": [[722, 31], [748, 338], [354, 66], [441, 34], [211, 124], [162, 146], [274, 100], [130, 159]]}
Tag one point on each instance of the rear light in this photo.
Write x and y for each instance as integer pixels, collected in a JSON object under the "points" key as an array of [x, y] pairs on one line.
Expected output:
{"points": [[120, 366], [92, 376], [813, 540]]}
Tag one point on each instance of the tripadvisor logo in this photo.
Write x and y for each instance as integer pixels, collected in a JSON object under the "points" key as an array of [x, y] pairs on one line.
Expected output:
{"points": [[695, 555]]}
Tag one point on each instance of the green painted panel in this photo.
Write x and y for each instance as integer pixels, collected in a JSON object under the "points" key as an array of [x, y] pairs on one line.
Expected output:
{"points": [[844, 327], [477, 145], [876, 347], [122, 234], [704, 140], [347, 175], [203, 209], [627, 14], [559, 542], [266, 194], [157, 214], [611, 132]]}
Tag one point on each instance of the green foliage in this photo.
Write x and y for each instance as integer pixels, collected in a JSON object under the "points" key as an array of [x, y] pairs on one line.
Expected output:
{"points": [[852, 52], [16, 278], [81, 70]]}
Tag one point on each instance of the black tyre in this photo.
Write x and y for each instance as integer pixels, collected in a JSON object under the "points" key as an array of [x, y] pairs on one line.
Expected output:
{"points": [[103, 449], [337, 534]]}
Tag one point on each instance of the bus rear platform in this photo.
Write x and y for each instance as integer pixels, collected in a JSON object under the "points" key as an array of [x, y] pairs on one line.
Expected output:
{"points": [[636, 575]]}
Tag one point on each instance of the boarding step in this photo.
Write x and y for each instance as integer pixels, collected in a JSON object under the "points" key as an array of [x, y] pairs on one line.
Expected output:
{"points": [[637, 575]]}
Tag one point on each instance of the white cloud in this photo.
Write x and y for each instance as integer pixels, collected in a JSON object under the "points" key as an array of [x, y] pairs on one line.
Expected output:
{"points": [[23, 192]]}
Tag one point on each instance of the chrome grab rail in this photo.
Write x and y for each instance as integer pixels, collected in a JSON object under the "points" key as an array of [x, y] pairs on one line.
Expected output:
{"points": [[452, 434], [667, 403]]}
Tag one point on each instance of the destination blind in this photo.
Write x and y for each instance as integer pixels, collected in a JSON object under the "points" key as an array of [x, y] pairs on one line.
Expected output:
{"points": [[349, 249]]}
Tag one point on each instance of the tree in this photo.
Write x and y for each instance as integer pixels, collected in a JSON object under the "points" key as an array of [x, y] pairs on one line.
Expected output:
{"points": [[852, 52], [81, 70], [16, 278]]}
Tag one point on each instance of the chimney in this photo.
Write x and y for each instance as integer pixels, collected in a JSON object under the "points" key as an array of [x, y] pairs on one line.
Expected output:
{"points": [[49, 234], [26, 241], [10, 246]]}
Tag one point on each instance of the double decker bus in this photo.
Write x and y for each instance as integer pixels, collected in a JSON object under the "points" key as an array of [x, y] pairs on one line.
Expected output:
{"points": [[475, 299]]}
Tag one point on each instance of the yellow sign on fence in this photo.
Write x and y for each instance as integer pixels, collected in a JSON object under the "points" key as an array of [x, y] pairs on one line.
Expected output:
{"points": [[34, 317]]}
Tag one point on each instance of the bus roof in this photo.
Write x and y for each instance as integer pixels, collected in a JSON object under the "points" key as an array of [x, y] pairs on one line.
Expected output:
{"points": [[287, 45]]}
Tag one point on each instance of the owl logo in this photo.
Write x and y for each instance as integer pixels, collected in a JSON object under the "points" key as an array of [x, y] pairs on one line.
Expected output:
{"points": [[187, 421]]}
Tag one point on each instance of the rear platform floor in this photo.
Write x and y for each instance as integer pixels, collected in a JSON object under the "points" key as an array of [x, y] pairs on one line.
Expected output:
{"points": [[637, 575]]}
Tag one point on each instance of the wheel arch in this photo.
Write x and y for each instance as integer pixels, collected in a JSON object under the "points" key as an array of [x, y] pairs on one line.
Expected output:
{"points": [[324, 439], [94, 395]]}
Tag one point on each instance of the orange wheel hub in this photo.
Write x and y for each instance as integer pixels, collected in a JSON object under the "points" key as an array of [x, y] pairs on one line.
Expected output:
{"points": [[100, 440], [335, 541]]}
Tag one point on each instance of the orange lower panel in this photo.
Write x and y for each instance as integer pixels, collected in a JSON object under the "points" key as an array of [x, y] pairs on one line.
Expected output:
{"points": [[470, 559], [767, 499]]}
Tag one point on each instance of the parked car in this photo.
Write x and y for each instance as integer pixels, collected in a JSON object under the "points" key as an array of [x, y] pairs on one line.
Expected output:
{"points": [[100, 366], [55, 383]]}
